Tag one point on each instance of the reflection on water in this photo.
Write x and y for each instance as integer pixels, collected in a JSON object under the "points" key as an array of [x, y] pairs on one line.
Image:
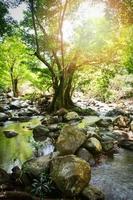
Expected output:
{"points": [[14, 151], [115, 176]]}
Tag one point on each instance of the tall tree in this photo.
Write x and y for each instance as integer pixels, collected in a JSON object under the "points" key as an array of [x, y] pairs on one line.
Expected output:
{"points": [[14, 62], [47, 22]]}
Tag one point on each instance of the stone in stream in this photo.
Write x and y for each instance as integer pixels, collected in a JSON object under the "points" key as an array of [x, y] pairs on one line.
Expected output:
{"points": [[16, 104], [70, 173], [40, 133], [36, 166], [71, 116], [3, 117], [93, 145], [122, 121], [114, 112], [86, 155], [69, 140], [93, 193], [10, 134], [108, 146], [127, 144], [104, 122], [88, 121]]}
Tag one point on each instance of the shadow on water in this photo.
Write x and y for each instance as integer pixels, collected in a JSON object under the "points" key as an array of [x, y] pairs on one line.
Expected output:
{"points": [[115, 176], [16, 150]]}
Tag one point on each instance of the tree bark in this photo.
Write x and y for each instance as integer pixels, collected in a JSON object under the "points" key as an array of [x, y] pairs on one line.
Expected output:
{"points": [[62, 97]]}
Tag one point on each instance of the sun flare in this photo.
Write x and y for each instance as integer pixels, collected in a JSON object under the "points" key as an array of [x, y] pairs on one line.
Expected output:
{"points": [[85, 11]]}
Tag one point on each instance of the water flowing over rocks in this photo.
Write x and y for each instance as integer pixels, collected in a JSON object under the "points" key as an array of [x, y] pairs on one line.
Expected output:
{"points": [[67, 142]]}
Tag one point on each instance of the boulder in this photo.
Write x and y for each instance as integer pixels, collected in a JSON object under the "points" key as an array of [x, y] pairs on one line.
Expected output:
{"points": [[93, 193], [10, 134], [104, 122], [71, 174], [3, 117], [71, 116], [36, 166], [108, 146], [88, 121], [122, 121], [93, 145], [84, 154], [70, 139], [40, 133]]}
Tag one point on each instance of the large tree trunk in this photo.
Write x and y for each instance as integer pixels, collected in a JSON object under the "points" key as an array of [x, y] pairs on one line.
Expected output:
{"points": [[15, 87], [62, 94], [14, 82]]}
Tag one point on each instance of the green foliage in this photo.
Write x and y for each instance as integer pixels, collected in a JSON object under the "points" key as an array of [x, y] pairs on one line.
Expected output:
{"points": [[43, 185]]}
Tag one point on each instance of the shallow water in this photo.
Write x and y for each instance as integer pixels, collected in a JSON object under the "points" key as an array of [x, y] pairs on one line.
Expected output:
{"points": [[16, 150], [115, 176]]}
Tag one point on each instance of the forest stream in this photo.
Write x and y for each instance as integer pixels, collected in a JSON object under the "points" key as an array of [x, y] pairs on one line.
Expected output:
{"points": [[113, 176]]}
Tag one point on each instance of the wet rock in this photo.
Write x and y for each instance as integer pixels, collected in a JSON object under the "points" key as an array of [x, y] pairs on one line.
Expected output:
{"points": [[54, 127], [24, 119], [3, 117], [93, 193], [104, 122], [15, 104], [108, 136], [25, 113], [51, 120], [4, 177], [36, 166], [71, 174], [108, 146], [71, 116], [127, 144], [10, 134], [70, 139], [40, 133], [85, 155], [88, 121], [85, 112], [115, 112], [93, 145], [122, 121]]}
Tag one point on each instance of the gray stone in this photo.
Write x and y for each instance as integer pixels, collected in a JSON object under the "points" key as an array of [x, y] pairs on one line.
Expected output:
{"points": [[40, 133], [10, 134], [3, 117], [84, 154], [89, 121]]}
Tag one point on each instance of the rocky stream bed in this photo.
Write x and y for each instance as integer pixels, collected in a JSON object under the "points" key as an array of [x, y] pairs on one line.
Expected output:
{"points": [[79, 149]]}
